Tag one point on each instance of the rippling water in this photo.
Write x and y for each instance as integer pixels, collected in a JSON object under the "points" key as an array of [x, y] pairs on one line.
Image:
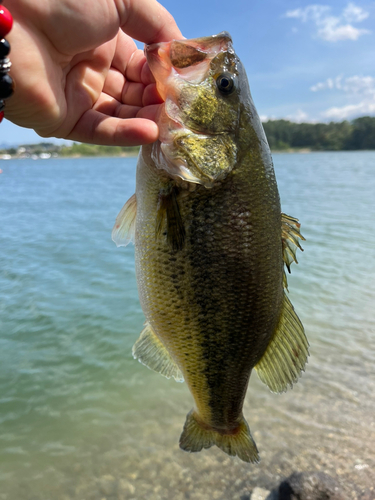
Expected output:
{"points": [[80, 419]]}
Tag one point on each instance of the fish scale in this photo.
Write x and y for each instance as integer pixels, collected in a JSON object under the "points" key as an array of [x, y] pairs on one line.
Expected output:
{"points": [[206, 280], [211, 243]]}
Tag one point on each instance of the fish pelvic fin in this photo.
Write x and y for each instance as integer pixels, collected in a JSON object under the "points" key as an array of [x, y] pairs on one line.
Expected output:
{"points": [[286, 354], [196, 436], [290, 236], [123, 231], [169, 216], [151, 352]]}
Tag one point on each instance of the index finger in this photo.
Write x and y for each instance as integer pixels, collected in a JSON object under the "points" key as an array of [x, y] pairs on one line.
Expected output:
{"points": [[147, 21]]}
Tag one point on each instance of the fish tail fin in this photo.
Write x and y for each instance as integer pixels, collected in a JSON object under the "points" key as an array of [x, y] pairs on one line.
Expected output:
{"points": [[196, 436]]}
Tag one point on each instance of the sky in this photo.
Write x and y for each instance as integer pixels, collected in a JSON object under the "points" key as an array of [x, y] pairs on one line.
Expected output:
{"points": [[310, 62]]}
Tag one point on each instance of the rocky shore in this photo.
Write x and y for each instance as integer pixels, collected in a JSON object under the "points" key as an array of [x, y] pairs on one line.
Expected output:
{"points": [[298, 486]]}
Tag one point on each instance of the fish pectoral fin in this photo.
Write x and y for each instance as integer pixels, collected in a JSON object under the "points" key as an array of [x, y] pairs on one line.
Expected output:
{"points": [[290, 234], [240, 443], [150, 351], [123, 231], [168, 216], [286, 354]]}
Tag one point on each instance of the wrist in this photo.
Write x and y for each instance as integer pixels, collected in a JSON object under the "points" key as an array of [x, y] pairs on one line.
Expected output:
{"points": [[6, 82]]}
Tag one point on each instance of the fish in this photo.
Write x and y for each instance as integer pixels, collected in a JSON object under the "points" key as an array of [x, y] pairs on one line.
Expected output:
{"points": [[212, 245]]}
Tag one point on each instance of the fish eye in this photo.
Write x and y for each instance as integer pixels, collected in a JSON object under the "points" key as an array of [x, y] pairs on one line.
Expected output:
{"points": [[226, 83]]}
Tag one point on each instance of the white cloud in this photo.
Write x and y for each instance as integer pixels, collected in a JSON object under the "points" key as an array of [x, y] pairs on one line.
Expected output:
{"points": [[352, 85], [354, 14], [333, 28], [330, 83], [363, 85], [314, 12], [332, 32], [358, 89], [298, 117], [350, 111]]}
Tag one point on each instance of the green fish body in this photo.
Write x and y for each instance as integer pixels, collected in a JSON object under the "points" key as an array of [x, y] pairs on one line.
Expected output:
{"points": [[211, 243]]}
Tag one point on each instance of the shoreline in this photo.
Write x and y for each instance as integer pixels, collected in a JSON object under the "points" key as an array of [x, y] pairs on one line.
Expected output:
{"points": [[6, 157], [48, 156]]}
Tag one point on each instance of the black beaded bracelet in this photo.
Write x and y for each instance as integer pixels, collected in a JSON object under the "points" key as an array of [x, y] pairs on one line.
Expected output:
{"points": [[6, 82]]}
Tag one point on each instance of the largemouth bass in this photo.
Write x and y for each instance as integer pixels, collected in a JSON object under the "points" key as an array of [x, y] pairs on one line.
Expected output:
{"points": [[211, 244]]}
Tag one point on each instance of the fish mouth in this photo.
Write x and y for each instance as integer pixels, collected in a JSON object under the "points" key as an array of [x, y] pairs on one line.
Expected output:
{"points": [[188, 59]]}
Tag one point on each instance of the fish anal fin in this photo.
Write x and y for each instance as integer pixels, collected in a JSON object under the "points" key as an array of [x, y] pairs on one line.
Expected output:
{"points": [[123, 231], [196, 436], [286, 354], [169, 216], [151, 352]]}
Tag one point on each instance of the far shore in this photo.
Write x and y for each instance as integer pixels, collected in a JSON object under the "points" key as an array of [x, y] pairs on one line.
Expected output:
{"points": [[46, 151], [283, 136]]}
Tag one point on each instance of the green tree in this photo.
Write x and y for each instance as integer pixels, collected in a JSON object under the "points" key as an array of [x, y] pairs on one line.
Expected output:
{"points": [[363, 134]]}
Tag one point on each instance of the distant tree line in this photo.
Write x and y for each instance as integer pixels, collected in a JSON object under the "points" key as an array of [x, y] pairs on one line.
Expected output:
{"points": [[281, 135], [79, 149], [334, 136], [76, 149]]}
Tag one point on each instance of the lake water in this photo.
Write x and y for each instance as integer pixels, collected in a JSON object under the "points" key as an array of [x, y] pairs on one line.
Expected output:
{"points": [[81, 420]]}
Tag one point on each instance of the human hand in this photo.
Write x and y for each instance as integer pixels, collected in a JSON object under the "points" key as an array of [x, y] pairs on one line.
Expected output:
{"points": [[78, 72]]}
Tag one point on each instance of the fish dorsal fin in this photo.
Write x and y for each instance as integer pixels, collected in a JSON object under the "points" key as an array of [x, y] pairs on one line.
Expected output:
{"points": [[286, 354], [169, 216], [123, 231], [290, 234], [150, 351]]}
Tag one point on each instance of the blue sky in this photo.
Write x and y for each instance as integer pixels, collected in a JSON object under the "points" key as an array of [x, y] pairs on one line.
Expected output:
{"points": [[305, 61]]}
